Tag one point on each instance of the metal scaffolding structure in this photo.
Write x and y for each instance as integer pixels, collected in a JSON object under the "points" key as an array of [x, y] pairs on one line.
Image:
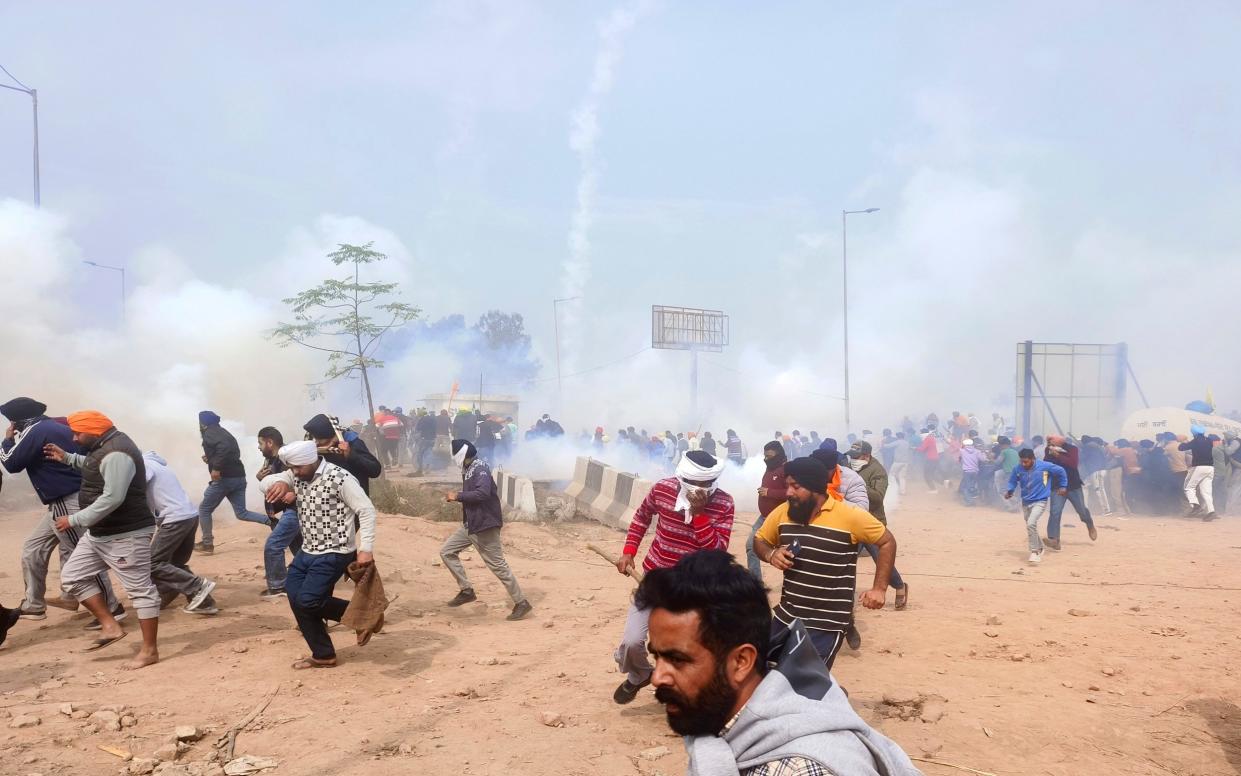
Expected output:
{"points": [[1072, 388]]}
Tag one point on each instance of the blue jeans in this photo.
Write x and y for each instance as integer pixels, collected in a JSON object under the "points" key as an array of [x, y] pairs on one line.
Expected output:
{"points": [[1077, 499], [285, 536], [233, 489], [895, 580], [311, 581], [751, 560]]}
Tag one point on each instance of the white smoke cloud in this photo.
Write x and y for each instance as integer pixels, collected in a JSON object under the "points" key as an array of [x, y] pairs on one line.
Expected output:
{"points": [[583, 139]]}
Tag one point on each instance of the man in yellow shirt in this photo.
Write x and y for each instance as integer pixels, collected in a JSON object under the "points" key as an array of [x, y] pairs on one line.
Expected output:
{"points": [[814, 539]]}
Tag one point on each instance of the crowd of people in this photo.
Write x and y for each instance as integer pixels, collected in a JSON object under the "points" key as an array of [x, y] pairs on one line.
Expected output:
{"points": [[748, 685], [111, 509]]}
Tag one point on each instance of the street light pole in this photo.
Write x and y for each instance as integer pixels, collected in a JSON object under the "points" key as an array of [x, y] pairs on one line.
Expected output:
{"points": [[559, 382], [114, 269], [844, 264], [34, 105]]}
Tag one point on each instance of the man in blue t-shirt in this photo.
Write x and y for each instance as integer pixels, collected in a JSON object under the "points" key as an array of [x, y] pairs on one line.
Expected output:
{"points": [[1035, 477]]}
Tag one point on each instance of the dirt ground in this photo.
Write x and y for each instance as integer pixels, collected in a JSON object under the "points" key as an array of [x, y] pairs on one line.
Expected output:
{"points": [[1112, 657]]}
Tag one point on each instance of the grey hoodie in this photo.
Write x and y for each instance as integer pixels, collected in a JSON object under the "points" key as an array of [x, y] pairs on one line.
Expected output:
{"points": [[797, 711]]}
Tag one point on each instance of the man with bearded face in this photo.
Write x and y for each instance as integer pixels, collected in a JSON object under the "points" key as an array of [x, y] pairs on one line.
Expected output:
{"points": [[57, 486], [693, 514], [710, 633], [813, 538], [771, 493]]}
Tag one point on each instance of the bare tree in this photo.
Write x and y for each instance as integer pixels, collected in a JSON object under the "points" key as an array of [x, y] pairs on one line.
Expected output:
{"points": [[337, 317]]}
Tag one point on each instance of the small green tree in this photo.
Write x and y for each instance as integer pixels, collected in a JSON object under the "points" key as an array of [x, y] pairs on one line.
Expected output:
{"points": [[337, 317]]}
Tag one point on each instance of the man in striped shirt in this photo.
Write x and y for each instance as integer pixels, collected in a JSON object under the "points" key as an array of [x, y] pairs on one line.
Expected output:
{"points": [[814, 539], [693, 514]]}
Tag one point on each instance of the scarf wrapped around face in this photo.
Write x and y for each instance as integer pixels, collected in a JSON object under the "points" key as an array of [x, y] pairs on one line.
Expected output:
{"points": [[696, 466]]}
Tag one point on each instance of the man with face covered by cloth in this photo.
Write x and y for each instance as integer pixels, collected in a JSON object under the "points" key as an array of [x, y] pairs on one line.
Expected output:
{"points": [[813, 539], [693, 514]]}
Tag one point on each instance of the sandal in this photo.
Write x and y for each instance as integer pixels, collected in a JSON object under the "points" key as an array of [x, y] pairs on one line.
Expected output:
{"points": [[902, 597], [101, 643], [310, 662]]}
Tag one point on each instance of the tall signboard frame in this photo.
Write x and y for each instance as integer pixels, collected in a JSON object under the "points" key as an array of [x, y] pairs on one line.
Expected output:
{"points": [[692, 329]]}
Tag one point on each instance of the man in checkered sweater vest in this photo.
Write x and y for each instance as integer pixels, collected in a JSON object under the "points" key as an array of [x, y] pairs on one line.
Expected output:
{"points": [[337, 522]]}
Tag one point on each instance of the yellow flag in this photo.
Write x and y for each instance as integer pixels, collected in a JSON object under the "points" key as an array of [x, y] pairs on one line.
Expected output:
{"points": [[1210, 398]]}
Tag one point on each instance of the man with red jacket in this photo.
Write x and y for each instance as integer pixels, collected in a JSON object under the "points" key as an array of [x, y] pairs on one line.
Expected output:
{"points": [[693, 514], [1066, 455], [771, 494]]}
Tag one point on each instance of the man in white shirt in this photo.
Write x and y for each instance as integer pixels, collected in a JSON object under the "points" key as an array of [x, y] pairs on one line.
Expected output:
{"points": [[337, 520], [176, 521]]}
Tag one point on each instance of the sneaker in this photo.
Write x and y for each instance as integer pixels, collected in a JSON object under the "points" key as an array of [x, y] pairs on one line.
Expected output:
{"points": [[1194, 509], [1094, 532], [205, 549], [626, 692], [271, 594], [205, 610], [1036, 557], [29, 615], [464, 597], [522, 608], [200, 595], [119, 614], [1209, 516], [1052, 543], [853, 638]]}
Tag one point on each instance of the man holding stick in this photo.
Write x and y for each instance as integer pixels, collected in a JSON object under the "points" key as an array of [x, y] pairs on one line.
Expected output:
{"points": [[693, 514]]}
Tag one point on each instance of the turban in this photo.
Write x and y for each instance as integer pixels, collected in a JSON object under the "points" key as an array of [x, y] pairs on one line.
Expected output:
{"points": [[89, 422], [810, 473], [22, 408], [461, 450], [1197, 429], [208, 418], [828, 444], [299, 453], [829, 458], [699, 466]]}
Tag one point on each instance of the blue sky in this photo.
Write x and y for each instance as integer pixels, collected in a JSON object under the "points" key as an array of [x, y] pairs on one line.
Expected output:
{"points": [[1060, 171]]}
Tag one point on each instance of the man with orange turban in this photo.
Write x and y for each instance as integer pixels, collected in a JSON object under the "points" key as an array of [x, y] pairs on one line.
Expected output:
{"points": [[118, 524], [57, 487]]}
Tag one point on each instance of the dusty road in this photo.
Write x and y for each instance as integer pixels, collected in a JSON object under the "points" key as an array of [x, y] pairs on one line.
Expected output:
{"points": [[1138, 680]]}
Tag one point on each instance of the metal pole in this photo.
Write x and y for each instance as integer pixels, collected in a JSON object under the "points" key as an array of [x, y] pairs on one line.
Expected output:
{"points": [[844, 265], [559, 381], [123, 315], [693, 387], [34, 102], [1027, 372]]}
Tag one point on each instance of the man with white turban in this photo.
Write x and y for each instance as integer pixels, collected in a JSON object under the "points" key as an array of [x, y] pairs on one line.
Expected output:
{"points": [[693, 514], [337, 521]]}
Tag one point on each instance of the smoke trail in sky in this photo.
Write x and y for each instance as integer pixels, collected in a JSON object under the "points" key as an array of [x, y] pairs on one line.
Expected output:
{"points": [[583, 137]]}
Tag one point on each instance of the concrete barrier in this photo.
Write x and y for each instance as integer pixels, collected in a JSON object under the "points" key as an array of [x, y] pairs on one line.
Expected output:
{"points": [[516, 496], [606, 494]]}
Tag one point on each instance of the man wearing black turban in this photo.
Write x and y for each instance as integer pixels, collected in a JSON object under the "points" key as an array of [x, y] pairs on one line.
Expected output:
{"points": [[813, 538]]}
